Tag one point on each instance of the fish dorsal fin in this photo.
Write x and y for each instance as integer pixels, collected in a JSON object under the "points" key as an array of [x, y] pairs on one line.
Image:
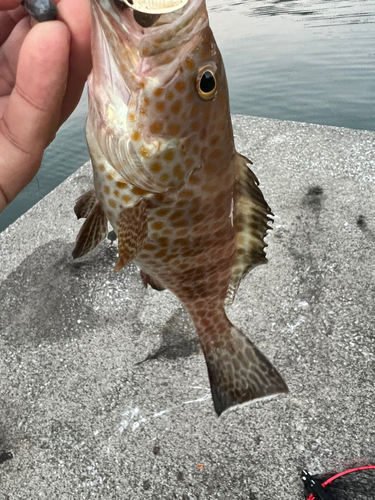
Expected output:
{"points": [[251, 217], [85, 204], [92, 232], [132, 232]]}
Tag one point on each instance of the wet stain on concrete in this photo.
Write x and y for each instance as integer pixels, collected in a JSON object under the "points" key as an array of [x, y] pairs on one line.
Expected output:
{"points": [[156, 450], [178, 341], [5, 456], [313, 198], [363, 226]]}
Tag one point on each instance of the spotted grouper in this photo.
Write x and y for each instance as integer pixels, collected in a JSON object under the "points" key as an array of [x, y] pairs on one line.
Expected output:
{"points": [[184, 204]]}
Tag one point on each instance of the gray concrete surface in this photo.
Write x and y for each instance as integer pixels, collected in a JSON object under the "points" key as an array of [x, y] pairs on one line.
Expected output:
{"points": [[103, 387]]}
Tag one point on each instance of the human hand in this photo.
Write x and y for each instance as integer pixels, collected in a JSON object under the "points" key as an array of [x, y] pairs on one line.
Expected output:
{"points": [[43, 69]]}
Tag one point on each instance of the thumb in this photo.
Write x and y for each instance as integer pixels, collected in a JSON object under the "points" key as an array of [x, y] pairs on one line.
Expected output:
{"points": [[31, 116]]}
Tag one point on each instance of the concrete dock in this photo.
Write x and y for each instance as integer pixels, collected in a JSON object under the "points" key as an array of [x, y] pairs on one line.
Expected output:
{"points": [[104, 392]]}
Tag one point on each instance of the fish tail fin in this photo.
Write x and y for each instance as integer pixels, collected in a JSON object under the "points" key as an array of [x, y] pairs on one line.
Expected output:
{"points": [[237, 370]]}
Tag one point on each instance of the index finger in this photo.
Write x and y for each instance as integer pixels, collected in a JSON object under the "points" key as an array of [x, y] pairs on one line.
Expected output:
{"points": [[9, 4]]}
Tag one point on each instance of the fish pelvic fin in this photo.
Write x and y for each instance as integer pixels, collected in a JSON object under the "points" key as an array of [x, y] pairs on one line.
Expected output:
{"points": [[85, 204], [92, 232], [149, 280], [252, 216], [132, 232], [237, 370]]}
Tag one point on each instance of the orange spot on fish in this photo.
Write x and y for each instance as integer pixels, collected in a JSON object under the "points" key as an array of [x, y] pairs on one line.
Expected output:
{"points": [[164, 177], [189, 63], [126, 198], [176, 107], [107, 189], [163, 242], [169, 96], [160, 106], [178, 173], [170, 257], [144, 152], [209, 168], [215, 139], [156, 167], [161, 253], [173, 129], [180, 86], [131, 117], [157, 225], [216, 153], [189, 163], [180, 223], [162, 211], [145, 52], [116, 192], [136, 136], [194, 111], [121, 185], [138, 191], [169, 155], [146, 101], [194, 179], [182, 203], [167, 60], [176, 215], [158, 92], [110, 176], [112, 203], [101, 167], [148, 246], [156, 127], [187, 193], [195, 126]]}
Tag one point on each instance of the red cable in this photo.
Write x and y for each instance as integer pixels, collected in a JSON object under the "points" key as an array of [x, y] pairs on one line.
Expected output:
{"points": [[329, 480]]}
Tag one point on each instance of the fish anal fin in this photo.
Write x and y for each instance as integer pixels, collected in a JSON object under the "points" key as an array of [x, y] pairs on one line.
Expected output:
{"points": [[149, 280], [252, 216], [85, 204], [237, 370], [92, 232], [132, 231]]}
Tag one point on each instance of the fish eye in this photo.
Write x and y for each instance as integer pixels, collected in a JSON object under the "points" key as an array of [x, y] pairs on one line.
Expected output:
{"points": [[206, 84]]}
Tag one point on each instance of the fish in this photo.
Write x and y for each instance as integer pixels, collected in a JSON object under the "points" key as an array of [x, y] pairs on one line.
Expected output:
{"points": [[184, 204], [41, 10]]}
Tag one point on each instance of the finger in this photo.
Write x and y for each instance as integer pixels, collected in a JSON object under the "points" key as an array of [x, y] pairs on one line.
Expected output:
{"points": [[9, 4], [9, 54], [77, 16], [32, 114], [8, 21]]}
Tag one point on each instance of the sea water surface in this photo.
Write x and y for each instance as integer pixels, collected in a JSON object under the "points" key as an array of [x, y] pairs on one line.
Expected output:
{"points": [[303, 60]]}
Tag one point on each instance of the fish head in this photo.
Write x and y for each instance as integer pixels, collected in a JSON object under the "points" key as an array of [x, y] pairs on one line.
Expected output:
{"points": [[159, 92]]}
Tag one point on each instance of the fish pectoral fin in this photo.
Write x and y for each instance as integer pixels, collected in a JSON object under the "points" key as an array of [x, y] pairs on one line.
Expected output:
{"points": [[92, 232], [85, 204], [149, 280], [237, 370], [132, 232], [252, 216]]}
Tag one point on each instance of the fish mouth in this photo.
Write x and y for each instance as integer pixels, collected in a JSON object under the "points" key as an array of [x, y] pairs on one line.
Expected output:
{"points": [[138, 19]]}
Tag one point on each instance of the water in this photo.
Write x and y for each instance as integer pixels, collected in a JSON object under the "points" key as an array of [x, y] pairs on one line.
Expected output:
{"points": [[303, 60]]}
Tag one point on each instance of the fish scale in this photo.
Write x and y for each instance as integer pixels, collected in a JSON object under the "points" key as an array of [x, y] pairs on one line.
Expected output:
{"points": [[184, 204]]}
